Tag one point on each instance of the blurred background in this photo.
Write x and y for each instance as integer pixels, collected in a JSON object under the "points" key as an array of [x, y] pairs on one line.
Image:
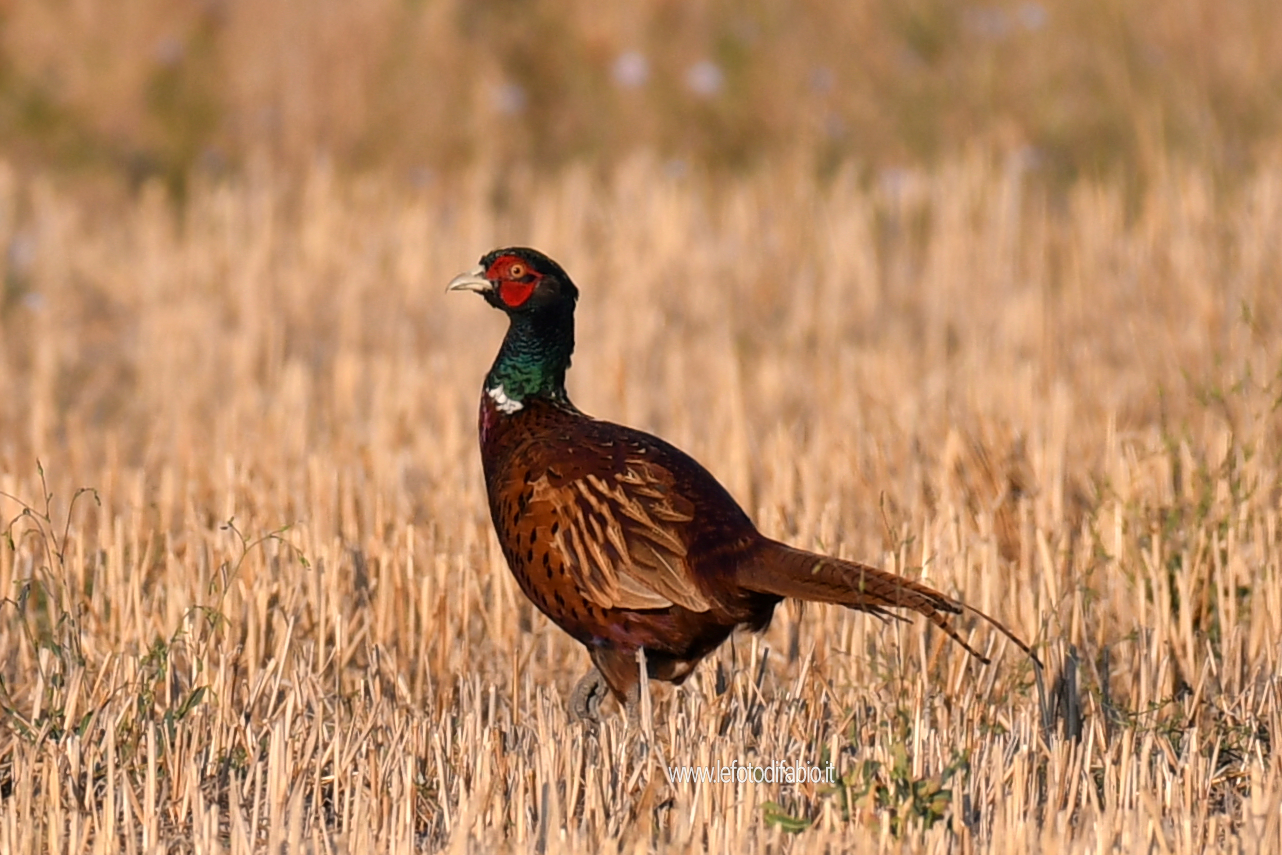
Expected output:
{"points": [[145, 89]]}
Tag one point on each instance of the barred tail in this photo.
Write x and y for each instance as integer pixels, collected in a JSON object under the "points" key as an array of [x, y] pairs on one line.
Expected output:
{"points": [[782, 570]]}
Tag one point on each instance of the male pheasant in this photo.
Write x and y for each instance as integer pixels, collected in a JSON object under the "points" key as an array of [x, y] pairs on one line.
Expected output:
{"points": [[623, 540]]}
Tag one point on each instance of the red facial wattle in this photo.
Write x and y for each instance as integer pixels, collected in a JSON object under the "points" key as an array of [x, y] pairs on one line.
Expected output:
{"points": [[513, 294]]}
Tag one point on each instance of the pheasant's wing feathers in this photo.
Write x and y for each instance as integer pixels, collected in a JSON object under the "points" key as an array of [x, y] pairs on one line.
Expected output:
{"points": [[620, 531]]}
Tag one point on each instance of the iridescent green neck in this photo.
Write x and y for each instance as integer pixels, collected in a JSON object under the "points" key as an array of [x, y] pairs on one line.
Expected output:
{"points": [[533, 359]]}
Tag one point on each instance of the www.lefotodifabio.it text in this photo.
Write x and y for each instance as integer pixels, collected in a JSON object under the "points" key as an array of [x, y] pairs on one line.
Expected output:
{"points": [[775, 773]]}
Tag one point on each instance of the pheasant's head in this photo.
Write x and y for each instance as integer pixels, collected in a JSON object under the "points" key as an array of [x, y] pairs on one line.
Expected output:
{"points": [[519, 280], [538, 298]]}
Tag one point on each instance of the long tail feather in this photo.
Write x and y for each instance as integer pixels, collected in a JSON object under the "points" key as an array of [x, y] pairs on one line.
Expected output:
{"points": [[785, 571]]}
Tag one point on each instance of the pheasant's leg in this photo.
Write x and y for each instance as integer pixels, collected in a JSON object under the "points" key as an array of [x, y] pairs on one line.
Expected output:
{"points": [[632, 704], [637, 722], [618, 668], [585, 700]]}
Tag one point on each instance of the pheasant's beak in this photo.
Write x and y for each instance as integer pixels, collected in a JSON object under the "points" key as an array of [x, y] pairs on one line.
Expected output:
{"points": [[473, 280]]}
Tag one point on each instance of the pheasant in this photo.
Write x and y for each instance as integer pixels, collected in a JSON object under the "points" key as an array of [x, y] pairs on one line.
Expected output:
{"points": [[622, 539]]}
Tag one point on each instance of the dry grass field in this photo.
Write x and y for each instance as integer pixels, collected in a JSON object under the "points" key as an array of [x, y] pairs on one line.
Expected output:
{"points": [[252, 599]]}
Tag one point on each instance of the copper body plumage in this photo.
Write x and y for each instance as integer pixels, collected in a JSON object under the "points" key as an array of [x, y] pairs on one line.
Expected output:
{"points": [[623, 540]]}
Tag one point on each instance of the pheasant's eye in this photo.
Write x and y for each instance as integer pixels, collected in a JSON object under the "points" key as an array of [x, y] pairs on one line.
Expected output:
{"points": [[516, 271]]}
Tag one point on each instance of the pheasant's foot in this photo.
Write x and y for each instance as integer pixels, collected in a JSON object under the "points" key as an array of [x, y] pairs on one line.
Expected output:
{"points": [[585, 700]]}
